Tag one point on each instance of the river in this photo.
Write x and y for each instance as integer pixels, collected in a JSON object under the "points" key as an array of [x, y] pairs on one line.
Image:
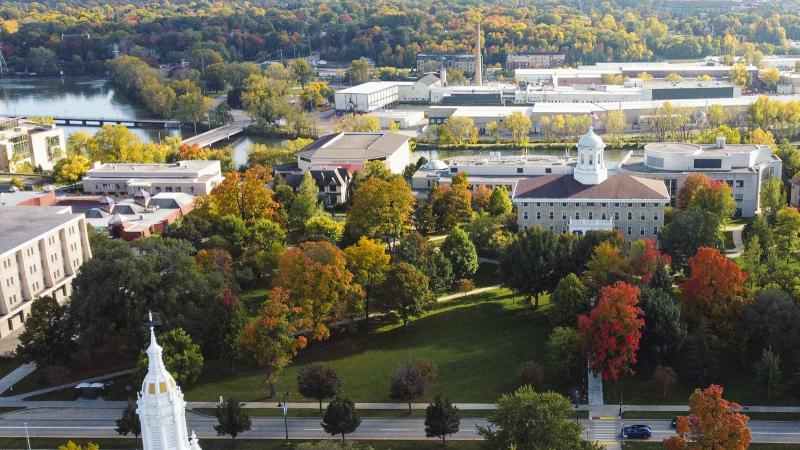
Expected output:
{"points": [[97, 97], [91, 97]]}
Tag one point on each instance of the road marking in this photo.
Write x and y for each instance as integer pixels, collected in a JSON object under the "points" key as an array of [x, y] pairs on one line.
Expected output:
{"points": [[57, 428], [395, 429], [312, 429]]}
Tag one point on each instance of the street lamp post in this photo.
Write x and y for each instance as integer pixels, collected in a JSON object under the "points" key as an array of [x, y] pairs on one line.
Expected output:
{"points": [[27, 437], [285, 407], [620, 404], [576, 394]]}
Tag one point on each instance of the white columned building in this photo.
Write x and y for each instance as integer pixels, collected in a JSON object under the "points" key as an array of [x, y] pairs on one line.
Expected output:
{"points": [[161, 408]]}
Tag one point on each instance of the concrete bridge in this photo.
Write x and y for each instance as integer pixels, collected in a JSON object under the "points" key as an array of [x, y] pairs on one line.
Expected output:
{"points": [[100, 121], [240, 123]]}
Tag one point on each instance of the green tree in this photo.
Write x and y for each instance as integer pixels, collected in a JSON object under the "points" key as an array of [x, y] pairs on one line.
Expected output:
{"points": [[773, 199], [231, 419], [305, 203], [442, 418], [302, 71], [192, 107], [47, 337], [715, 197], [570, 300], [323, 227], [404, 290], [564, 351], [687, 231], [71, 169], [500, 202], [461, 252], [664, 332], [129, 422], [519, 125], [529, 420], [493, 128], [319, 382], [341, 417], [182, 357]]}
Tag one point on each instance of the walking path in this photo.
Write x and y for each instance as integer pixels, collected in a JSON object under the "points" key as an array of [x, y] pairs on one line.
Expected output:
{"points": [[16, 375], [13, 398], [445, 298], [736, 232]]}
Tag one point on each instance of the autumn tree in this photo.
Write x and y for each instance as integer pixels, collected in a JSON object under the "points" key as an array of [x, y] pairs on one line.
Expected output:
{"points": [[611, 333], [693, 182], [715, 197], [713, 291], [500, 202], [713, 422], [412, 379], [368, 261], [404, 290], [519, 125], [607, 266], [245, 195], [317, 285], [664, 379], [451, 203], [381, 210], [319, 382], [270, 340]]}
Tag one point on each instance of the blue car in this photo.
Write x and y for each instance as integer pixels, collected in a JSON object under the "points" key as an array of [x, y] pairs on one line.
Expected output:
{"points": [[636, 432]]}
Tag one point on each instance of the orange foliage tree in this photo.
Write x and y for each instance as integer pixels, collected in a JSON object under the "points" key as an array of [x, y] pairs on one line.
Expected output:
{"points": [[316, 281], [714, 291], [245, 195], [271, 341], [712, 423], [611, 333], [690, 186]]}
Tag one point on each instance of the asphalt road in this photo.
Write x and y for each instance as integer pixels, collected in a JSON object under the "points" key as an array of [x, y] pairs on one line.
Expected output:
{"points": [[95, 423]]}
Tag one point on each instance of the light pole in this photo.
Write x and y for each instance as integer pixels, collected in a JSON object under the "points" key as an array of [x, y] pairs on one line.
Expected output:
{"points": [[285, 407], [620, 404], [27, 437], [576, 404]]}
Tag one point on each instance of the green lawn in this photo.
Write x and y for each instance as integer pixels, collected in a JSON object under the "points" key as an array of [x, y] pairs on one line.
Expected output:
{"points": [[117, 391], [37, 380], [477, 342], [728, 240], [241, 444], [738, 387], [7, 365]]}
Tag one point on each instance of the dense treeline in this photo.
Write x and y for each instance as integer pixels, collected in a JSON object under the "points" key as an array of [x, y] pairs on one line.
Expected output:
{"points": [[77, 36]]}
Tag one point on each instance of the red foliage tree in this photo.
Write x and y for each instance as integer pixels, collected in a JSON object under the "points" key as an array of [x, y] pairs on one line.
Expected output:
{"points": [[611, 333], [714, 290], [712, 423], [645, 258]]}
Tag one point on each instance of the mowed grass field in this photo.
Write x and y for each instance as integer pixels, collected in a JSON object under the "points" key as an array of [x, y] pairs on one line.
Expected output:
{"points": [[477, 342]]}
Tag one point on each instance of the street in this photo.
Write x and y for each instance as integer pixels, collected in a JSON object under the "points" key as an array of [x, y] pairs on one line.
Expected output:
{"points": [[100, 422]]}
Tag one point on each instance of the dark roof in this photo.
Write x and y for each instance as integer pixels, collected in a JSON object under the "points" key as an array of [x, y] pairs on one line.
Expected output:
{"points": [[620, 187], [288, 167], [322, 177]]}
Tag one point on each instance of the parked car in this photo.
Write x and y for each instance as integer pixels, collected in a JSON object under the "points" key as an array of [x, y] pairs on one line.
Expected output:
{"points": [[636, 432]]}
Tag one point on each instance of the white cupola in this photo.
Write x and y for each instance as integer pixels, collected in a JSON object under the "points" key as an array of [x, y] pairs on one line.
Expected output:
{"points": [[160, 405], [591, 168]]}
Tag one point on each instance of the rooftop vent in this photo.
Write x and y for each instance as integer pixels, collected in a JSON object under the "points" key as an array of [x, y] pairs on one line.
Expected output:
{"points": [[720, 142]]}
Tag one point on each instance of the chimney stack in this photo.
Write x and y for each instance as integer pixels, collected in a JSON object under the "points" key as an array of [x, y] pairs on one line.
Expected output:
{"points": [[720, 142], [478, 59], [443, 75]]}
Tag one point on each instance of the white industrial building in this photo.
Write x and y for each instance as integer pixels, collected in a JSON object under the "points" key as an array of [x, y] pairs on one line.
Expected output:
{"points": [[368, 97]]}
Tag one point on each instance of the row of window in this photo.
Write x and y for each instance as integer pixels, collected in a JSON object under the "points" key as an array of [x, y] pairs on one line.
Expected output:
{"points": [[591, 204], [603, 216], [629, 230]]}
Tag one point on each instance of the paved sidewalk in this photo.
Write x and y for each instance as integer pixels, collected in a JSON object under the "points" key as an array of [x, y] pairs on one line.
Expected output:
{"points": [[445, 298], [16, 375], [738, 243], [12, 398]]}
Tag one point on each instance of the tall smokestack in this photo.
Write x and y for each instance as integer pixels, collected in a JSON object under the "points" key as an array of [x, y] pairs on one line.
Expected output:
{"points": [[478, 59]]}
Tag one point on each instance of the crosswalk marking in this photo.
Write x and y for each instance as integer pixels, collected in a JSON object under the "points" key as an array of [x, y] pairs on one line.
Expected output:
{"points": [[604, 431]]}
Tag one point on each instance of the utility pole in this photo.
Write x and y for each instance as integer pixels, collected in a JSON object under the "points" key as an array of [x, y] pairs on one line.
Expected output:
{"points": [[285, 407]]}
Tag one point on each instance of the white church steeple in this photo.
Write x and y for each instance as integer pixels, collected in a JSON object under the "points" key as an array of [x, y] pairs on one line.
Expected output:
{"points": [[591, 168], [161, 408]]}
